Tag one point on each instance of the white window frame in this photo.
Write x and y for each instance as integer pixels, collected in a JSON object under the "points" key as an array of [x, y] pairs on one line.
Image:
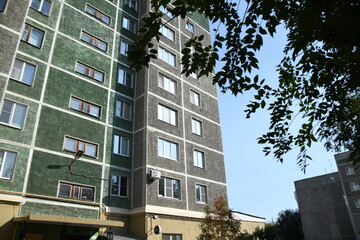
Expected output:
{"points": [[124, 48], [190, 27], [354, 186], [119, 185], [94, 41], [97, 14], [22, 74], [199, 158], [89, 72], [349, 170], [72, 190], [27, 35], [167, 84], [172, 190], [123, 77], [133, 4], [120, 109], [167, 32], [118, 148], [165, 11], [80, 145], [357, 203], [196, 127], [168, 149], [199, 199], [4, 161], [12, 114], [85, 106], [172, 236], [194, 97], [167, 114], [129, 24], [40, 8], [167, 56]]}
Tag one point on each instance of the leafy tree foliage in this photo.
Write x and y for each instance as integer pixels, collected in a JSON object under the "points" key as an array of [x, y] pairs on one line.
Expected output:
{"points": [[319, 76], [289, 225], [219, 223], [270, 232]]}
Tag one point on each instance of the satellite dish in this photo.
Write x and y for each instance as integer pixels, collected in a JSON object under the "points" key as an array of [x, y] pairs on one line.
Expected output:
{"points": [[157, 229]]}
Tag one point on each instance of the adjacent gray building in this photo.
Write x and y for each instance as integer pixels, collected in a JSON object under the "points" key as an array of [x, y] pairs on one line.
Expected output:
{"points": [[350, 181], [329, 205]]}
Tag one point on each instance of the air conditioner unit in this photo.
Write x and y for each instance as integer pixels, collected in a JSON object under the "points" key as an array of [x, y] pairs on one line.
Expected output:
{"points": [[154, 174]]}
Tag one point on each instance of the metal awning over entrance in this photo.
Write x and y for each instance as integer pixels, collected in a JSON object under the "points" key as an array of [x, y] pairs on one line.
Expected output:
{"points": [[70, 221]]}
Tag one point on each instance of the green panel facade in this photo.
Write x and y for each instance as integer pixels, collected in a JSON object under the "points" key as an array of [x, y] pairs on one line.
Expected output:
{"points": [[42, 53], [33, 91], [58, 210], [62, 86], [84, 23], [50, 169], [17, 182], [47, 20], [25, 134], [54, 126], [67, 53]]}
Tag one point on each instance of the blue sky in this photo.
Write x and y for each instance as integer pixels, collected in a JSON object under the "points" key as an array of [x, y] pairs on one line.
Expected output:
{"points": [[260, 185]]}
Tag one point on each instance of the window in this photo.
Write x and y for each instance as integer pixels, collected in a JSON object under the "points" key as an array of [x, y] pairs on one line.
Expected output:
{"points": [[13, 114], [42, 6], [167, 32], [189, 27], [129, 24], [23, 72], [357, 203], [131, 4], [354, 186], [123, 109], [167, 114], [125, 77], [201, 195], [7, 164], [199, 160], [32, 35], [121, 145], [171, 236], [119, 185], [85, 107], [165, 11], [99, 15], [124, 48], [73, 191], [167, 56], [167, 84], [196, 126], [194, 98], [96, 42], [168, 149], [349, 170], [2, 5], [89, 72], [74, 145], [169, 187]]}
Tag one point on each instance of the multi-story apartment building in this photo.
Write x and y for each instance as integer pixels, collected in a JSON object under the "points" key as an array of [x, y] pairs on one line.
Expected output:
{"points": [[350, 181], [330, 204], [86, 142]]}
